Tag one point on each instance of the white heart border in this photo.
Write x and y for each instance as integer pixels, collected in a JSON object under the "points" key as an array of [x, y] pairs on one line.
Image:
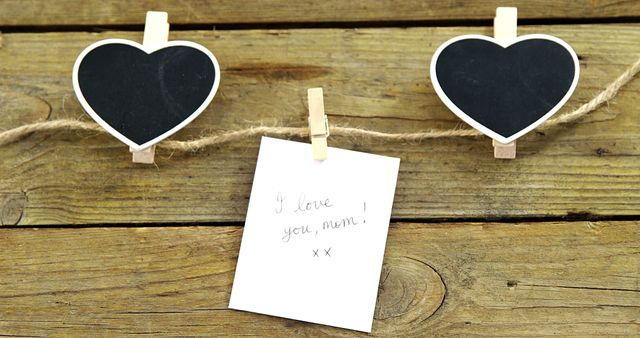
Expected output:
{"points": [[111, 130], [475, 124]]}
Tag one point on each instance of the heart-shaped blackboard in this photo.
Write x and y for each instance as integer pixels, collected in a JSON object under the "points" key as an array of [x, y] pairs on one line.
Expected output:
{"points": [[504, 91], [142, 95]]}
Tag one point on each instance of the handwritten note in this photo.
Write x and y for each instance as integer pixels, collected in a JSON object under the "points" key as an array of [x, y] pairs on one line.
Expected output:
{"points": [[314, 235]]}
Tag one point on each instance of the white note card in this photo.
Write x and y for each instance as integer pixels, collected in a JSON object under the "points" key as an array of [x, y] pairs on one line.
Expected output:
{"points": [[315, 234]]}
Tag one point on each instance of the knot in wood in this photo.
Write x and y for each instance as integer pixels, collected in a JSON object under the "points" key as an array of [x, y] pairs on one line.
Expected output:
{"points": [[410, 291], [13, 208]]}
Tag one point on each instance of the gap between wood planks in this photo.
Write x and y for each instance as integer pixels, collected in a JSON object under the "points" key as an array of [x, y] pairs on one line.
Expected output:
{"points": [[569, 218], [317, 25]]}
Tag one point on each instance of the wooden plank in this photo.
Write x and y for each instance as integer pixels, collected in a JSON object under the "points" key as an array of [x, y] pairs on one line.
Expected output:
{"points": [[591, 168], [123, 12], [537, 279]]}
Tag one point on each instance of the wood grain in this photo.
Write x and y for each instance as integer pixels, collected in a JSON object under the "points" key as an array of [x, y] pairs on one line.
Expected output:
{"points": [[588, 169], [123, 12], [568, 279]]}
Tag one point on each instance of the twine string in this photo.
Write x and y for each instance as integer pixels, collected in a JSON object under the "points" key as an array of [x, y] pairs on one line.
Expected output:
{"points": [[13, 135]]}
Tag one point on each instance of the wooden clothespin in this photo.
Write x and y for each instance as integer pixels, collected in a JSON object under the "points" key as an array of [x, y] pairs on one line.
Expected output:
{"points": [[156, 32], [318, 124], [505, 30]]}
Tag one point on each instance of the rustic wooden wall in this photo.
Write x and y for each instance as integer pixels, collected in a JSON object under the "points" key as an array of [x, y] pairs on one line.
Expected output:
{"points": [[544, 244]]}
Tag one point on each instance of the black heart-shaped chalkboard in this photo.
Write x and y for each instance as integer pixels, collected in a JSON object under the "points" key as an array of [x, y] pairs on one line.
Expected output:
{"points": [[504, 91], [141, 95]]}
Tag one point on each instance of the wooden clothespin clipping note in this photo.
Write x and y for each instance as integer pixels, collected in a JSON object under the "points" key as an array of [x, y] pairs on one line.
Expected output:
{"points": [[318, 124], [156, 32], [505, 30]]}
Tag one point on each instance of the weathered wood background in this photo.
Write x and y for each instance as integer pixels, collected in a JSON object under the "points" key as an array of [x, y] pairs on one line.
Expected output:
{"points": [[546, 244]]}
